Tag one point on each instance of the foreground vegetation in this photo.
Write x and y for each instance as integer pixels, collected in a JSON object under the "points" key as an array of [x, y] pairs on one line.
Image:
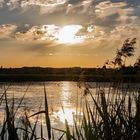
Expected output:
{"points": [[110, 115]]}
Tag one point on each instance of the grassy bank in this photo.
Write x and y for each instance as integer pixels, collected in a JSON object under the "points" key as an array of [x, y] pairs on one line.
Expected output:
{"points": [[112, 114]]}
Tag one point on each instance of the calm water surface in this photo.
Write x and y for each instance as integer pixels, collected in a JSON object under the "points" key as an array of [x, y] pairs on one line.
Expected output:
{"points": [[65, 99]]}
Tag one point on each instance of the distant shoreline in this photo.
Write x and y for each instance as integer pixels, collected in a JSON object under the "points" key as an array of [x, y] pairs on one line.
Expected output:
{"points": [[76, 78], [36, 74]]}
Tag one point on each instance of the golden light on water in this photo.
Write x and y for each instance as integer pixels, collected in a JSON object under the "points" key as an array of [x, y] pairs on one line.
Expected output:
{"points": [[67, 111], [66, 114]]}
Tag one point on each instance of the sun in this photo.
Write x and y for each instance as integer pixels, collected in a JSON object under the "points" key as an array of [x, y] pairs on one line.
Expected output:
{"points": [[67, 34]]}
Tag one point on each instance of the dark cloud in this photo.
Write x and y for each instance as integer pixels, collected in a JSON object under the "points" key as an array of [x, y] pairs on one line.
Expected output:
{"points": [[130, 2], [74, 1], [70, 12]]}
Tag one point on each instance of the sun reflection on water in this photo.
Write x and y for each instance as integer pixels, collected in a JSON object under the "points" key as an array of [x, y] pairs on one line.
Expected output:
{"points": [[65, 94], [67, 109], [67, 114]]}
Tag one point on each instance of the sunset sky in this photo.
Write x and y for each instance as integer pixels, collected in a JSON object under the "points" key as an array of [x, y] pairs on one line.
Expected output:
{"points": [[66, 33]]}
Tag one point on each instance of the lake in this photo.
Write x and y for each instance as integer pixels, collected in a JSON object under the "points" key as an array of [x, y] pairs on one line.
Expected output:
{"points": [[65, 99]]}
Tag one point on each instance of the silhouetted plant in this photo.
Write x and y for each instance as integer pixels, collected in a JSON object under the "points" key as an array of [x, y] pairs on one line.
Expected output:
{"points": [[118, 59], [128, 49], [137, 63]]}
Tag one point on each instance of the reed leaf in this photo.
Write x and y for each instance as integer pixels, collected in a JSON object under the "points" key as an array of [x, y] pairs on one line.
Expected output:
{"points": [[48, 124], [12, 131]]}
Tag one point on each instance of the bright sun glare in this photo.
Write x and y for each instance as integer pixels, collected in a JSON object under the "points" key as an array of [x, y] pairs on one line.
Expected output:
{"points": [[67, 34], [67, 114]]}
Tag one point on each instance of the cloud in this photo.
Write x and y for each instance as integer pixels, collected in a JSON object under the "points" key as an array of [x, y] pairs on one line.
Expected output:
{"points": [[49, 33], [44, 32], [49, 6], [80, 7], [69, 11], [1, 3], [40, 47], [107, 8], [55, 33], [91, 32], [115, 13], [13, 4], [108, 4], [101, 38], [126, 31], [7, 31], [42, 39], [34, 33], [45, 6]]}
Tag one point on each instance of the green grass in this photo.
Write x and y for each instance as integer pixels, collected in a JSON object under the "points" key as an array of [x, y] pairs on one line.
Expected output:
{"points": [[110, 115]]}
